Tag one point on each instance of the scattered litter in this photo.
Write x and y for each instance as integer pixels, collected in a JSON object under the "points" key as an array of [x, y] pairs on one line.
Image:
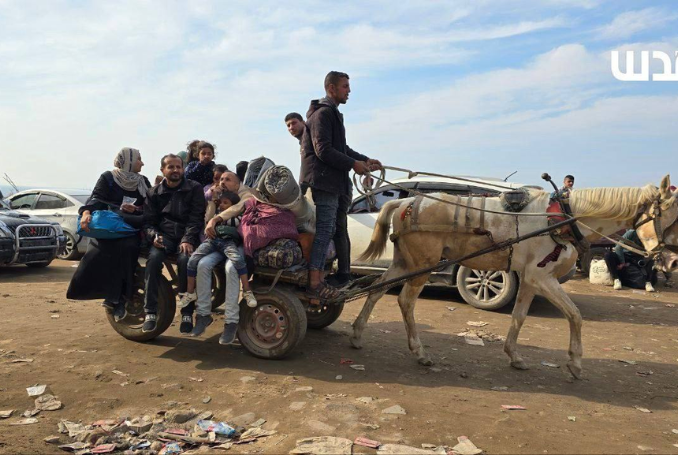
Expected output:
{"points": [[345, 361], [177, 431], [645, 448], [297, 406], [513, 407], [476, 323], [474, 341], [384, 331], [645, 410], [28, 421], [36, 390], [73, 447], [22, 361], [323, 445], [572, 418], [398, 449], [361, 441], [358, 367], [371, 426], [645, 373], [500, 389], [172, 448], [104, 448], [396, 409], [30, 413], [120, 373], [451, 308], [52, 439], [304, 389], [47, 402], [428, 446], [104, 423], [207, 399], [218, 428], [142, 445], [629, 362], [339, 377], [258, 423], [246, 379], [466, 447], [253, 434], [55, 316], [73, 429], [674, 431], [201, 379], [366, 400], [549, 364], [6, 414]]}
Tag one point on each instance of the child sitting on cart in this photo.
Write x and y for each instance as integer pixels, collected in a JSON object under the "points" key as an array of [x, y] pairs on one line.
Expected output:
{"points": [[226, 242]]}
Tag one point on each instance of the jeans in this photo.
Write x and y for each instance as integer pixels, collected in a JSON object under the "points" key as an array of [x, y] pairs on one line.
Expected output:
{"points": [[342, 242], [154, 265], [326, 211], [227, 247], [204, 287]]}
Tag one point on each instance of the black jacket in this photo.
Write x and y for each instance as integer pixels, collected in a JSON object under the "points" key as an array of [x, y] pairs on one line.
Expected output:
{"points": [[176, 214], [107, 195], [325, 158]]}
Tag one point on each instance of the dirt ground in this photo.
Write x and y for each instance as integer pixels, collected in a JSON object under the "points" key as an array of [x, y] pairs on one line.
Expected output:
{"points": [[76, 353]]}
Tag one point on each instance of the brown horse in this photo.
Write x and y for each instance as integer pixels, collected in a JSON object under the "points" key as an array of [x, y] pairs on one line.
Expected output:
{"points": [[426, 230]]}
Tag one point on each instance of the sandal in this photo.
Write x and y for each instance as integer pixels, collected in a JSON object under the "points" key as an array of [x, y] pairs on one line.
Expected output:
{"points": [[322, 292]]}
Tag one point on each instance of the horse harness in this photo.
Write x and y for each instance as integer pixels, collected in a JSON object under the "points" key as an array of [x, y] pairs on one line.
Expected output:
{"points": [[656, 219]]}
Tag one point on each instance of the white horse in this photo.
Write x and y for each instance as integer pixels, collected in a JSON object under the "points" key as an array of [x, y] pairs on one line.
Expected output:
{"points": [[426, 230]]}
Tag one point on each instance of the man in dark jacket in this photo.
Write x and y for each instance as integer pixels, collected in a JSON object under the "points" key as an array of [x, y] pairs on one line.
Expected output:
{"points": [[326, 160], [174, 214]]}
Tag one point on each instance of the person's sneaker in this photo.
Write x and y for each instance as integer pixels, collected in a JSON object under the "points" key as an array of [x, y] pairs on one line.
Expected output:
{"points": [[187, 298], [251, 300], [150, 322], [230, 331], [617, 284], [186, 325], [201, 324], [120, 312], [649, 287], [109, 306]]}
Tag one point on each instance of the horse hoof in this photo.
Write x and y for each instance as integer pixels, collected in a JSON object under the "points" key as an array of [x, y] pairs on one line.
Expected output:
{"points": [[575, 370], [519, 365], [355, 343], [425, 361]]}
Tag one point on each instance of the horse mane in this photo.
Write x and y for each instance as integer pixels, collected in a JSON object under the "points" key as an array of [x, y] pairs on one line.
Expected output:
{"points": [[611, 203]]}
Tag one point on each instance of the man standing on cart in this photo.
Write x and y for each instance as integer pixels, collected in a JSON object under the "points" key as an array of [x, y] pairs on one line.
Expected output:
{"points": [[174, 216], [326, 161]]}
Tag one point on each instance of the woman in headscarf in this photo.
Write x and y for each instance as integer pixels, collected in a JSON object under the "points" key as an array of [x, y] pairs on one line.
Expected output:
{"points": [[107, 269]]}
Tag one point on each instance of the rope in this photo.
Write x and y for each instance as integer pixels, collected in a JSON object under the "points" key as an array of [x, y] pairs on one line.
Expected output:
{"points": [[618, 243]]}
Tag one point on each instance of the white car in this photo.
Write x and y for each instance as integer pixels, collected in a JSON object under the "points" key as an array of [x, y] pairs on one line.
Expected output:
{"points": [[485, 290], [55, 205]]}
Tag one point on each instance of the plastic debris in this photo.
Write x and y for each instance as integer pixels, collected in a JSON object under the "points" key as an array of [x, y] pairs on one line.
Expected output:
{"points": [[177, 431], [466, 447], [361, 441], [645, 410], [104, 448], [323, 445], [30, 413], [55, 316], [6, 414], [47, 402], [474, 340], [22, 361], [216, 427], [207, 399], [343, 361], [73, 447], [142, 445], [513, 407], [119, 373], [476, 323], [28, 421], [674, 431], [172, 448], [258, 423], [73, 429], [36, 390], [339, 377], [358, 367], [200, 379], [398, 449], [254, 433], [396, 409], [365, 400], [549, 364], [52, 439], [451, 308], [572, 418]]}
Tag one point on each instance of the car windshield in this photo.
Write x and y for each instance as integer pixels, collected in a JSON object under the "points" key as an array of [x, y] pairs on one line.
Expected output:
{"points": [[3, 205], [80, 198]]}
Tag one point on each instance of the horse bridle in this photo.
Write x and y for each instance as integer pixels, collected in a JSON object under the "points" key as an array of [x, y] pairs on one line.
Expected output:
{"points": [[656, 219]]}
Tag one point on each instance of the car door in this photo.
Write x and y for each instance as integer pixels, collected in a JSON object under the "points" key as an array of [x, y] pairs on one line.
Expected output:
{"points": [[361, 219], [52, 207]]}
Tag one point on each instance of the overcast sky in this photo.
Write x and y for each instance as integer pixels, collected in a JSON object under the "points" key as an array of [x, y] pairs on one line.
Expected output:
{"points": [[470, 87]]}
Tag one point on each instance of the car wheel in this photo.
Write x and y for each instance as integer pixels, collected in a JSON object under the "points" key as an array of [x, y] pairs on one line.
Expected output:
{"points": [[71, 251], [486, 290]]}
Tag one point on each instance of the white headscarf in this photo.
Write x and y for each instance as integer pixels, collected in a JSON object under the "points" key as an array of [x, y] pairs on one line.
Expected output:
{"points": [[124, 176]]}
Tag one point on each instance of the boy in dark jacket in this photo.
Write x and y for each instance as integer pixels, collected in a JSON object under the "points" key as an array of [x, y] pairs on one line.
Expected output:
{"points": [[326, 160], [174, 214]]}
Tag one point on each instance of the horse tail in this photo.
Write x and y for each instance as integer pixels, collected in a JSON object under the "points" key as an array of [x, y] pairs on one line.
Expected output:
{"points": [[378, 241]]}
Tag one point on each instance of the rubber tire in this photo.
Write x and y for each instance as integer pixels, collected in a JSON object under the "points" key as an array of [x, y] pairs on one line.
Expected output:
{"points": [[73, 254], [167, 306], [296, 327], [511, 289], [324, 319], [593, 253], [38, 265]]}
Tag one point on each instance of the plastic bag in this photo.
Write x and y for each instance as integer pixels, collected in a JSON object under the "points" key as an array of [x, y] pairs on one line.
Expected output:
{"points": [[107, 225]]}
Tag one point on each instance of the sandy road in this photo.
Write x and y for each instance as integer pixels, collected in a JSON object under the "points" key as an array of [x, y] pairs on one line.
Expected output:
{"points": [[76, 353]]}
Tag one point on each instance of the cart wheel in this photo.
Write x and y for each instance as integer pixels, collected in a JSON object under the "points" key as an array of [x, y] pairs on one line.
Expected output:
{"points": [[130, 327], [321, 316], [275, 327]]}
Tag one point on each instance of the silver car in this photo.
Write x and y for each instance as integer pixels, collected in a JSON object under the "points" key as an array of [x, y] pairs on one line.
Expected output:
{"points": [[55, 205]]}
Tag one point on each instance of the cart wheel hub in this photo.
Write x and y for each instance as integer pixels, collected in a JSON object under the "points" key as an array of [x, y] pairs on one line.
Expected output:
{"points": [[268, 323]]}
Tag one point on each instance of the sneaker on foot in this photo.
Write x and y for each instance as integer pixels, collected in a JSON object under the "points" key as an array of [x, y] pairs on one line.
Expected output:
{"points": [[186, 325], [120, 312], [150, 322], [187, 298], [649, 287], [230, 330], [617, 284], [108, 305], [251, 300], [201, 324]]}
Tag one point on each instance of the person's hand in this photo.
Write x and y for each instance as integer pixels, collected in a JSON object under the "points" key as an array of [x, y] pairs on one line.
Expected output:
{"points": [[361, 167], [375, 165], [210, 230], [621, 266], [85, 220], [186, 248], [128, 208], [158, 243]]}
